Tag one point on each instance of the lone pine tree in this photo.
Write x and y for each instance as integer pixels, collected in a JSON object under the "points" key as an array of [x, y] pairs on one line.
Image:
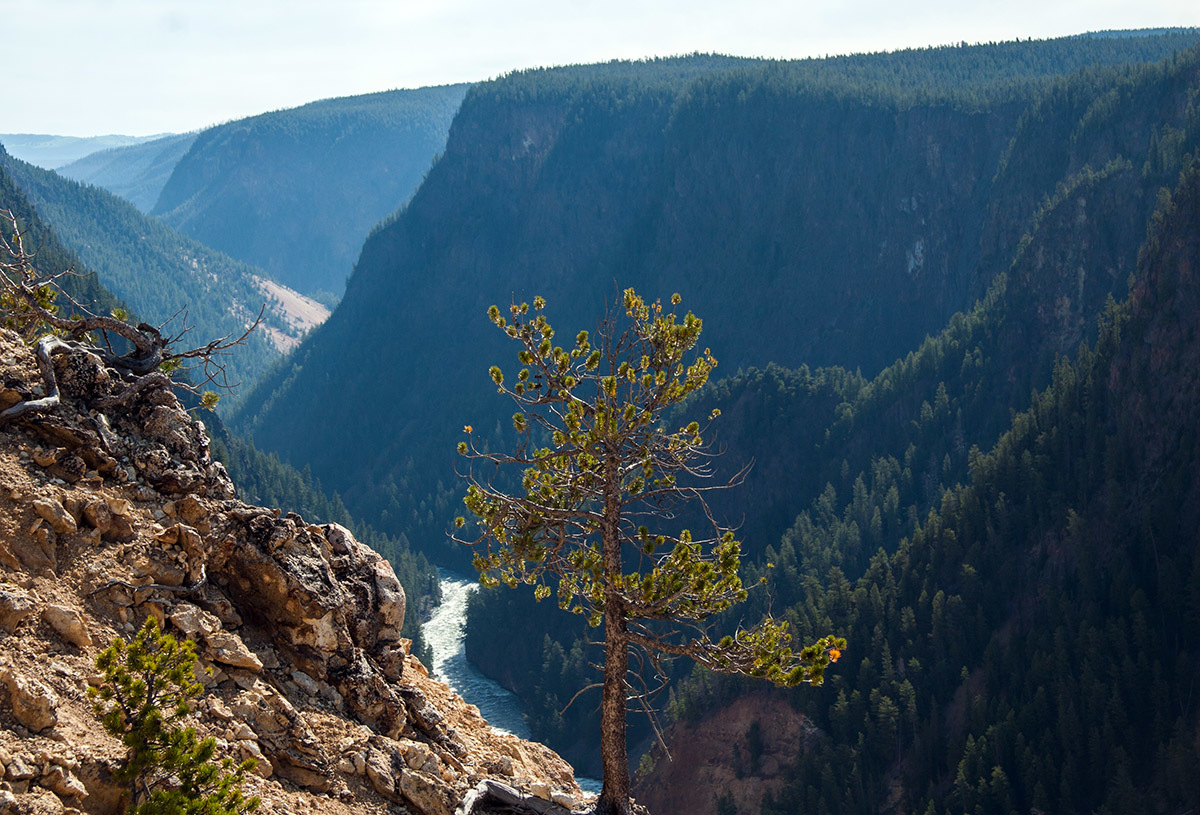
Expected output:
{"points": [[599, 468]]}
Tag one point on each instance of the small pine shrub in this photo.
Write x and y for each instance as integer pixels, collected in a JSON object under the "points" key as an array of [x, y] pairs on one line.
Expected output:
{"points": [[148, 685]]}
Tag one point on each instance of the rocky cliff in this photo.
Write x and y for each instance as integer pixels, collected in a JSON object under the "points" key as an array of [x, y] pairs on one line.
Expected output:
{"points": [[109, 517]]}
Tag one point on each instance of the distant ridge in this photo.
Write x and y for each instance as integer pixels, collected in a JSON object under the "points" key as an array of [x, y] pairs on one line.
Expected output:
{"points": [[136, 172], [51, 152], [296, 191], [1139, 32]]}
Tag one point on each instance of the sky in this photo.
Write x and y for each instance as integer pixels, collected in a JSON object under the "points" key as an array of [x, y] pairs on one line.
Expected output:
{"points": [[142, 67]]}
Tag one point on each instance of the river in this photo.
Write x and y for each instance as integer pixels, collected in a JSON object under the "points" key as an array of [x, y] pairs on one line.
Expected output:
{"points": [[445, 633]]}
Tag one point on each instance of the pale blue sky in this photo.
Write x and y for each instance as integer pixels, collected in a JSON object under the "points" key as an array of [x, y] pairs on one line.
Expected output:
{"points": [[136, 67]]}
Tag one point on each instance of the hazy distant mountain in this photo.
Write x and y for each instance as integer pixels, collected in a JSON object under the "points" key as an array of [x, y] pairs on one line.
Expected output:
{"points": [[160, 274], [52, 152], [296, 191], [136, 172]]}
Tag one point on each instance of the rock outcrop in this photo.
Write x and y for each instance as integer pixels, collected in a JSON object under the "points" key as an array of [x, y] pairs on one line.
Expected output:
{"points": [[109, 517]]}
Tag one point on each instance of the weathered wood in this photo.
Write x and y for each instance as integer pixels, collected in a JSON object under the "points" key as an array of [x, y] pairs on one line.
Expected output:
{"points": [[47, 346], [490, 796], [185, 590], [614, 753]]}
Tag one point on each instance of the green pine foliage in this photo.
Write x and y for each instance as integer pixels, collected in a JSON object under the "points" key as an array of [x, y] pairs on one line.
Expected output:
{"points": [[143, 699], [594, 519]]}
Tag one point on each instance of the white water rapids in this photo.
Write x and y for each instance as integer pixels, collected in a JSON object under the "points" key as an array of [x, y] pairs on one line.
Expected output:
{"points": [[444, 633]]}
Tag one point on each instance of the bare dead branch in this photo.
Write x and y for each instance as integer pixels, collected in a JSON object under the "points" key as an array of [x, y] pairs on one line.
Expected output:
{"points": [[580, 692], [28, 294]]}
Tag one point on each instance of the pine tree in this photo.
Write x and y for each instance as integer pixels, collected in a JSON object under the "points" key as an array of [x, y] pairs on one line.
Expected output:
{"points": [[610, 469], [167, 770]]}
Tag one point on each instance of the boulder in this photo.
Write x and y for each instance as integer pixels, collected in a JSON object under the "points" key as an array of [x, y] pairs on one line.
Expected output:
{"points": [[69, 624], [390, 773], [81, 373], [120, 530], [283, 736], [55, 514], [161, 569], [190, 510], [103, 792], [379, 602], [34, 704], [172, 428], [63, 783], [38, 801], [21, 767], [40, 552], [379, 773], [283, 574], [15, 606], [193, 621], [98, 515], [427, 795], [391, 601], [228, 649]]}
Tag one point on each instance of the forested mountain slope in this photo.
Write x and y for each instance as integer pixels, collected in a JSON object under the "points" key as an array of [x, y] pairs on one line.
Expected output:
{"points": [[156, 271], [862, 461], [827, 211], [1032, 643], [296, 191], [52, 256], [136, 172]]}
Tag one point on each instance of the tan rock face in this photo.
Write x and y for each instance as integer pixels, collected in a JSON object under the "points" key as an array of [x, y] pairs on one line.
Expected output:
{"points": [[98, 515], [56, 515], [194, 621], [229, 649], [299, 624]]}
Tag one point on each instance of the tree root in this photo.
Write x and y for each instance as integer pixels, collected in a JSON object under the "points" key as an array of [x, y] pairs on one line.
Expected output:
{"points": [[50, 345], [46, 347], [154, 380], [193, 589]]}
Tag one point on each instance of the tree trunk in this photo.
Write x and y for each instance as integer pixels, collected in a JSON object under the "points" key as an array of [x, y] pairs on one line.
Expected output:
{"points": [[614, 755], [614, 798]]}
